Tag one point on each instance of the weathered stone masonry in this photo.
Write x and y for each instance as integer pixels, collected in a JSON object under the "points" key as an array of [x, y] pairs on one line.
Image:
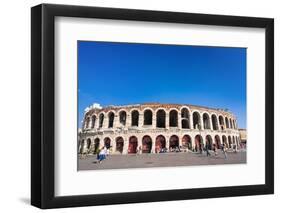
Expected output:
{"points": [[154, 126]]}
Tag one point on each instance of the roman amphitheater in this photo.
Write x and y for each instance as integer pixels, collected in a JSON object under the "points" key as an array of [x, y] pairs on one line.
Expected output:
{"points": [[152, 127]]}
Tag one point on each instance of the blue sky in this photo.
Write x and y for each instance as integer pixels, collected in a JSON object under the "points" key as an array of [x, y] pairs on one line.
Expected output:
{"points": [[112, 73]]}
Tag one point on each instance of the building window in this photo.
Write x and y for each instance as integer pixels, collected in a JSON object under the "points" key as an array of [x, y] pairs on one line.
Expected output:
{"points": [[122, 117], [135, 118], [173, 118], [161, 118], [147, 117]]}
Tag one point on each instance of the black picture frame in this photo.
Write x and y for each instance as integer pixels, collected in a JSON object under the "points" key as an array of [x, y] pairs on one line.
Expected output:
{"points": [[43, 105]]}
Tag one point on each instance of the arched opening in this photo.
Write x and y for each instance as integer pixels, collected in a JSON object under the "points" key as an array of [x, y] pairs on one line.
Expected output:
{"points": [[161, 119], [174, 142], [133, 145], [209, 142], [198, 143], [217, 142], [215, 122], [226, 122], [96, 145], [107, 142], [206, 121], [110, 119], [101, 118], [122, 117], [135, 118], [224, 141], [186, 142], [87, 123], [229, 142], [160, 143], [233, 140], [93, 121], [146, 144], [221, 121], [119, 144], [196, 120], [89, 143], [230, 123], [82, 147], [185, 119], [147, 117], [173, 118]]}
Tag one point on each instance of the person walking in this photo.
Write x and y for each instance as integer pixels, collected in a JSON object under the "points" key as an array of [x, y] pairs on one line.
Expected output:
{"points": [[215, 150], [235, 148], [207, 150], [223, 150], [102, 154]]}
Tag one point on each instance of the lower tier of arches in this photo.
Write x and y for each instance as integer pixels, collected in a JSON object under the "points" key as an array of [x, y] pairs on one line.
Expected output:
{"points": [[148, 143]]}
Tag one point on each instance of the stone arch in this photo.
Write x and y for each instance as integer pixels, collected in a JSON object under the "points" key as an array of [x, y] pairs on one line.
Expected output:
{"points": [[224, 141], [87, 123], [215, 122], [101, 119], [96, 145], [198, 143], [186, 142], [230, 123], [206, 121], [161, 118], [209, 142], [81, 150], [122, 117], [133, 145], [226, 122], [174, 142], [229, 142], [160, 143], [173, 118], [119, 144], [89, 144], [185, 118], [233, 124], [110, 119], [107, 142], [147, 117], [217, 142], [94, 118], [146, 144], [233, 140], [221, 122], [196, 120], [135, 118]]}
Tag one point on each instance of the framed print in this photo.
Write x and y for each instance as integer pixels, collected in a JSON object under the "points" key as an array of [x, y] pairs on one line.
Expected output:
{"points": [[141, 106]]}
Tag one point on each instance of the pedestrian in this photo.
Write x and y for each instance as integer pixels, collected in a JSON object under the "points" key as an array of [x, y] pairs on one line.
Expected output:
{"points": [[102, 154], [207, 150], [139, 150], [235, 148], [200, 148], [223, 150], [215, 150]]}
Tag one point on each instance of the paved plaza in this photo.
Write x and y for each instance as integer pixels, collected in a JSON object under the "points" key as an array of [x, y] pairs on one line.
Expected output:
{"points": [[159, 160]]}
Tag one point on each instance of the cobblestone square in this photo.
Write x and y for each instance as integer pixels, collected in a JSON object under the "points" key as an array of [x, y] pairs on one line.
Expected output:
{"points": [[160, 160]]}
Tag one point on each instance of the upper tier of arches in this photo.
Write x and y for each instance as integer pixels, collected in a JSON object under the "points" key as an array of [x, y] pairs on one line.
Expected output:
{"points": [[183, 118]]}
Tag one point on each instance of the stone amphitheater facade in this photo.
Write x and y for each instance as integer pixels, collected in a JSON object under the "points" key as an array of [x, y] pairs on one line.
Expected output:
{"points": [[152, 127]]}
